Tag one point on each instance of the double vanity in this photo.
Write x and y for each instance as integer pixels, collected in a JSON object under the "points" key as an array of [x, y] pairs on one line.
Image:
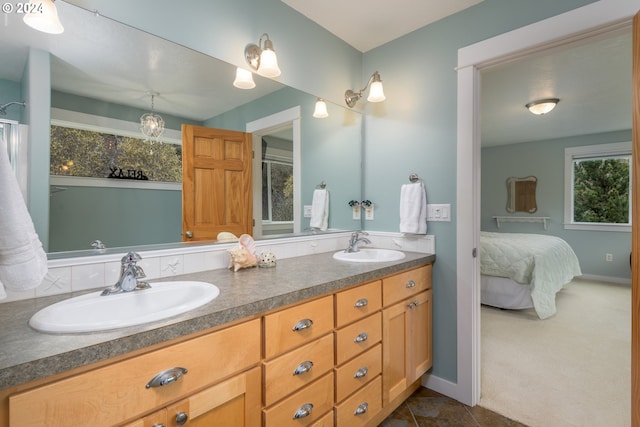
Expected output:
{"points": [[314, 341]]}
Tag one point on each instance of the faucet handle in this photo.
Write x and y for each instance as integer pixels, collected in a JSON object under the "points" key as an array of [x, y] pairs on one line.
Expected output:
{"points": [[131, 257]]}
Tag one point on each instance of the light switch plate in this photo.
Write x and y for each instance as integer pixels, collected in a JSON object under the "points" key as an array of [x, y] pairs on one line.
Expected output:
{"points": [[439, 212], [307, 211]]}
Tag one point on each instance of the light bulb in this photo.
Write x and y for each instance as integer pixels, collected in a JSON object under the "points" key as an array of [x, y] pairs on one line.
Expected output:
{"points": [[376, 92], [320, 111], [244, 79], [268, 64]]}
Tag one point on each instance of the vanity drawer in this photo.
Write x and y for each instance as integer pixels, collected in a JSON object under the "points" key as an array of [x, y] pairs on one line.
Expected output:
{"points": [[362, 407], [326, 421], [110, 394], [316, 398], [359, 302], [403, 285], [358, 337], [357, 372], [292, 327], [280, 378]]}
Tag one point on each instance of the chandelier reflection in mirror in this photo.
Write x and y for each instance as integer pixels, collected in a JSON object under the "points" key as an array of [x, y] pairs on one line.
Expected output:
{"points": [[151, 124]]}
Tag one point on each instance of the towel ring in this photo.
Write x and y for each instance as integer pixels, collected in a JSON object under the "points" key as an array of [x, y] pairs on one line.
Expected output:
{"points": [[414, 177], [322, 185]]}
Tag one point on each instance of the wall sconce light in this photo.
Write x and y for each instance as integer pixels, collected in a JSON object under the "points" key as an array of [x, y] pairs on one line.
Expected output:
{"points": [[320, 111], [244, 79], [262, 58], [151, 124], [376, 93], [42, 15], [542, 106]]}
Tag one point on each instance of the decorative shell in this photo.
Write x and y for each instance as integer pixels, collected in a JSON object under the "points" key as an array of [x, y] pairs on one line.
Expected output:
{"points": [[243, 255], [225, 236], [266, 259]]}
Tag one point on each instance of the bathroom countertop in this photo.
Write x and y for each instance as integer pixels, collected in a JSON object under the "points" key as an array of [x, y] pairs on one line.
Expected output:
{"points": [[27, 355]]}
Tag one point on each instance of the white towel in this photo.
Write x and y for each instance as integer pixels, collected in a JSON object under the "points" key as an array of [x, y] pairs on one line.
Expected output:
{"points": [[413, 208], [320, 210], [23, 262]]}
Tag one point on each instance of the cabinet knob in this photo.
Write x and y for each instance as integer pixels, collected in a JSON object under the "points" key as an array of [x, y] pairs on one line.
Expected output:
{"points": [[361, 373], [361, 409], [362, 302], [166, 377], [303, 368], [411, 284], [413, 304], [303, 324], [181, 418], [361, 337], [303, 411]]}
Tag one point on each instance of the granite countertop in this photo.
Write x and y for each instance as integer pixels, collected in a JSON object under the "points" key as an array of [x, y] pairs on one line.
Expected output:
{"points": [[28, 355]]}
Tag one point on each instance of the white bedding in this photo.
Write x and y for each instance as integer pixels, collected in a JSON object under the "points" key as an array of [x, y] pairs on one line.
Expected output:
{"points": [[544, 263]]}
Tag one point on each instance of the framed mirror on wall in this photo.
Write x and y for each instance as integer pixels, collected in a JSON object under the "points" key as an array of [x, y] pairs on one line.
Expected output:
{"points": [[521, 194]]}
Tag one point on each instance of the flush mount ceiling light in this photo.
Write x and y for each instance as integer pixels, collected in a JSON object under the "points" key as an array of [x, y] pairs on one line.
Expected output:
{"points": [[43, 16], [542, 106], [244, 79], [376, 93], [320, 111], [151, 124], [262, 58]]}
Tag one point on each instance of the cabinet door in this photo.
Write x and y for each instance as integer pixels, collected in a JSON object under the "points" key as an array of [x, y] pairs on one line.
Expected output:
{"points": [[406, 336], [235, 402]]}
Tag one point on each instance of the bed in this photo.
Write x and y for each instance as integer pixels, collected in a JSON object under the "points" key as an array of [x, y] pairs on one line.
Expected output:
{"points": [[525, 270]]}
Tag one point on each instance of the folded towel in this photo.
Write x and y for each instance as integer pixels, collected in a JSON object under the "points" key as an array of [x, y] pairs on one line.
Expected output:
{"points": [[413, 208], [23, 262], [320, 210]]}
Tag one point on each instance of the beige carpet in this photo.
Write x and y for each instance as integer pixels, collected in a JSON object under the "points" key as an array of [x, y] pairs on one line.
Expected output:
{"points": [[572, 369]]}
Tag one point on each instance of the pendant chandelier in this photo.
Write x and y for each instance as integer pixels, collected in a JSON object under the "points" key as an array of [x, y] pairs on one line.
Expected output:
{"points": [[151, 124]]}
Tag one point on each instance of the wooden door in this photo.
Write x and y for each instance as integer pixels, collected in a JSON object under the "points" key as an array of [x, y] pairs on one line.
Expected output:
{"points": [[635, 232], [216, 183]]}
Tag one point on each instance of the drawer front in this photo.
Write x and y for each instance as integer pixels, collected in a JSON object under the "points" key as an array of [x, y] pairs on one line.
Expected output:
{"points": [[304, 407], [406, 284], [295, 326], [108, 395], [326, 421], [362, 407], [354, 374], [358, 337], [297, 368], [359, 302]]}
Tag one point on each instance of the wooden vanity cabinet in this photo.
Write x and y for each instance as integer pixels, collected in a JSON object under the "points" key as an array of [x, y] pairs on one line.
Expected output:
{"points": [[116, 393], [407, 330]]}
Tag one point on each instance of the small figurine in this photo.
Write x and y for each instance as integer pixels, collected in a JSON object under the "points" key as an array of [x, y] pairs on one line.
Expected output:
{"points": [[266, 259]]}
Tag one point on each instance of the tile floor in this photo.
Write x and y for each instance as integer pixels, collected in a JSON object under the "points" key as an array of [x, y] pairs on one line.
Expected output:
{"points": [[428, 408]]}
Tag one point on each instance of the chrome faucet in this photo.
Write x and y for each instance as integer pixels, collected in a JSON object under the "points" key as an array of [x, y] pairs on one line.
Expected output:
{"points": [[356, 240], [130, 272]]}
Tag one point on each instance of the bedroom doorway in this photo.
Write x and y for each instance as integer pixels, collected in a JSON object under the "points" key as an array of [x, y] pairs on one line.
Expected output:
{"points": [[579, 23]]}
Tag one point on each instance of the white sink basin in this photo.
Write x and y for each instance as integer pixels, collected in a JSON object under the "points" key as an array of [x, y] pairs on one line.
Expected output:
{"points": [[93, 312], [370, 255]]}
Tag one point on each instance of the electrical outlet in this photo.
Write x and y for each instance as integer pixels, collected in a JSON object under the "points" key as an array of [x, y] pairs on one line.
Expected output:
{"points": [[307, 211], [439, 212], [608, 257]]}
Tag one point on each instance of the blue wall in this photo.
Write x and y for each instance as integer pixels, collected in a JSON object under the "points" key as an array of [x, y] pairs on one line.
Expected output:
{"points": [[11, 92], [545, 160]]}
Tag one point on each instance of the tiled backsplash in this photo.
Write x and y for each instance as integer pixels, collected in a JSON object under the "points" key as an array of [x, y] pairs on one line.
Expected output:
{"points": [[99, 271]]}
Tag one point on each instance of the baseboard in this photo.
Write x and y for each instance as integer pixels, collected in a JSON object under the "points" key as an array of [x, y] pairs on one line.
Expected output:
{"points": [[442, 386], [609, 279]]}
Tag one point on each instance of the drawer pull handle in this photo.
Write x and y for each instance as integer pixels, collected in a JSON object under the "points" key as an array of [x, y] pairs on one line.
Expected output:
{"points": [[304, 411], [158, 425], [361, 409], [414, 304], [361, 373], [303, 324], [166, 377], [181, 418], [361, 337], [303, 368], [362, 302], [411, 284]]}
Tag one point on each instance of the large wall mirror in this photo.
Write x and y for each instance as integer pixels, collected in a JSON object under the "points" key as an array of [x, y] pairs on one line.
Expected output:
{"points": [[102, 73]]}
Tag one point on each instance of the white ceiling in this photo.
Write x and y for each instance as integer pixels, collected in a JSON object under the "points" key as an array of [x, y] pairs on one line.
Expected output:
{"points": [[366, 24], [592, 79]]}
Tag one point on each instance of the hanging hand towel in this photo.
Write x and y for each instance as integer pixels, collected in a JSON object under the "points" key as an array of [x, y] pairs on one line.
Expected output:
{"points": [[413, 209], [320, 210], [23, 262]]}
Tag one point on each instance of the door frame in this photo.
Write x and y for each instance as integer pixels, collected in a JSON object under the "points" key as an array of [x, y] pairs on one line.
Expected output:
{"points": [[586, 21], [264, 126]]}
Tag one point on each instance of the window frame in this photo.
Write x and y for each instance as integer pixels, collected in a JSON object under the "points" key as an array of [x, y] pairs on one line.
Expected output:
{"points": [[268, 161], [592, 151]]}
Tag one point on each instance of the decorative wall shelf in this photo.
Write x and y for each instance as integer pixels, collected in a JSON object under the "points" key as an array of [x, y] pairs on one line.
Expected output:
{"points": [[543, 219]]}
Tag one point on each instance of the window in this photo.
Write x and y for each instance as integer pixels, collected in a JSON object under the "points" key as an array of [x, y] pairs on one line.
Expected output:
{"points": [[277, 191], [598, 187], [96, 154]]}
